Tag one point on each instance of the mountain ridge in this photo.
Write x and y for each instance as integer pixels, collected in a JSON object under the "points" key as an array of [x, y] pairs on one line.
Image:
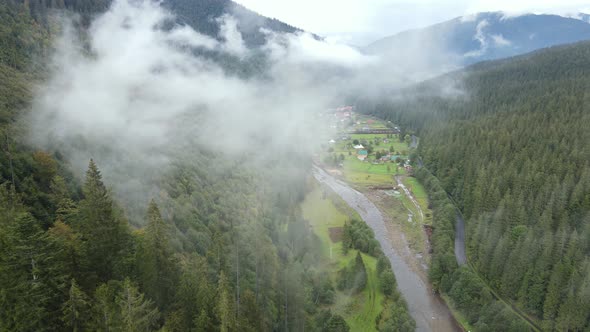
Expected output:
{"points": [[486, 36]]}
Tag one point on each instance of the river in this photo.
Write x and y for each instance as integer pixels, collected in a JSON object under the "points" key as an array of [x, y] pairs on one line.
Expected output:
{"points": [[429, 311]]}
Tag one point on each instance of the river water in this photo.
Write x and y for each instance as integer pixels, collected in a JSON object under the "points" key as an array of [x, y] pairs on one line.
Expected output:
{"points": [[429, 311]]}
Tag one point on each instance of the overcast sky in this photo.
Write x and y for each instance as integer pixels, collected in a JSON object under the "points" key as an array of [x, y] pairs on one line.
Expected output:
{"points": [[360, 22]]}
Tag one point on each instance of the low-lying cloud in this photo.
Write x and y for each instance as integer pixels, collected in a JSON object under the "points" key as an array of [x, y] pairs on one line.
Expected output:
{"points": [[139, 88]]}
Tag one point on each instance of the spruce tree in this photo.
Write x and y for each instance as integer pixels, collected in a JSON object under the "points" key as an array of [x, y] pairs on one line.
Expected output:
{"points": [[224, 308], [75, 308], [202, 322], [137, 313], [104, 233], [156, 264]]}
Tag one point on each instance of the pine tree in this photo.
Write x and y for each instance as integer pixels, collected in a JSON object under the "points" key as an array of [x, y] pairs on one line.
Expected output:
{"points": [[104, 234], [202, 322], [35, 280], [194, 291], [66, 209], [156, 265], [104, 310], [66, 247], [75, 309], [336, 324], [224, 308], [360, 279], [347, 240], [137, 314]]}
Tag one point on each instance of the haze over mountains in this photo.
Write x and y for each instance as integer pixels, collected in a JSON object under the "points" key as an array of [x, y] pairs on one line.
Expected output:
{"points": [[199, 125], [203, 15], [484, 36]]}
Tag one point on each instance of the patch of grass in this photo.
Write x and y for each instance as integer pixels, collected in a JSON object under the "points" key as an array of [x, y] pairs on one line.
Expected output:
{"points": [[356, 165], [397, 208], [409, 206], [366, 173], [367, 121], [369, 303], [324, 211], [418, 190], [322, 215], [421, 197]]}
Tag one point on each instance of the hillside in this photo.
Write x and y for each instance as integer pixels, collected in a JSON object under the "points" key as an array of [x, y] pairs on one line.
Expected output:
{"points": [[512, 151], [201, 15], [218, 240], [485, 36]]}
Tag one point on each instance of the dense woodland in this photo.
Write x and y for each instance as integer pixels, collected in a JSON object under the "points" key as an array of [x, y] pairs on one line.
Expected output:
{"points": [[201, 15], [222, 245], [509, 142]]}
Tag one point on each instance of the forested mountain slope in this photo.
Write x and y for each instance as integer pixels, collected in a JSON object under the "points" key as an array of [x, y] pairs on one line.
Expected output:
{"points": [[222, 244], [204, 16], [508, 141], [201, 15]]}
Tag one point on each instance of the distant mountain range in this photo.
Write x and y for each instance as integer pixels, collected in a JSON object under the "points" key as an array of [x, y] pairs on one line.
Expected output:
{"points": [[485, 36]]}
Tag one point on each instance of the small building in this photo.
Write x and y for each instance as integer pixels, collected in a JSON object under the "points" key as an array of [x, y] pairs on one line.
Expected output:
{"points": [[362, 155], [332, 141], [359, 147]]}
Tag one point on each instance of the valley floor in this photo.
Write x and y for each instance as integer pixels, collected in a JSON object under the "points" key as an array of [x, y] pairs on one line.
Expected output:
{"points": [[401, 213], [429, 311]]}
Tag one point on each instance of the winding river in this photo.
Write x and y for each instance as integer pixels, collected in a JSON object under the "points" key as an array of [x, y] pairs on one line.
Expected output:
{"points": [[429, 311]]}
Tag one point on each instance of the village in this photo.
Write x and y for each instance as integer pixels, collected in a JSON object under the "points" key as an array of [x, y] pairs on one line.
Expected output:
{"points": [[365, 146], [374, 158]]}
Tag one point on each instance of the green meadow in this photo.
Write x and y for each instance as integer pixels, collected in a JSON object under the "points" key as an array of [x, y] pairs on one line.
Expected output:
{"points": [[359, 310]]}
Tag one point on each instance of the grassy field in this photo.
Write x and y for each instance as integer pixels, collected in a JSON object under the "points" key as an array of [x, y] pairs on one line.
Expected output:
{"points": [[394, 142], [362, 120], [421, 197], [418, 190], [359, 310], [367, 173]]}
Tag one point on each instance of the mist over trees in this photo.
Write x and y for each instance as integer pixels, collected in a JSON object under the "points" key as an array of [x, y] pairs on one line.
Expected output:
{"points": [[121, 217], [511, 150], [214, 240]]}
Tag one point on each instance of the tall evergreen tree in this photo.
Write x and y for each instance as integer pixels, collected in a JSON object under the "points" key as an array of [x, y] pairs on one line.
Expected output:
{"points": [[158, 271], [224, 308], [75, 308], [137, 313], [104, 232]]}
